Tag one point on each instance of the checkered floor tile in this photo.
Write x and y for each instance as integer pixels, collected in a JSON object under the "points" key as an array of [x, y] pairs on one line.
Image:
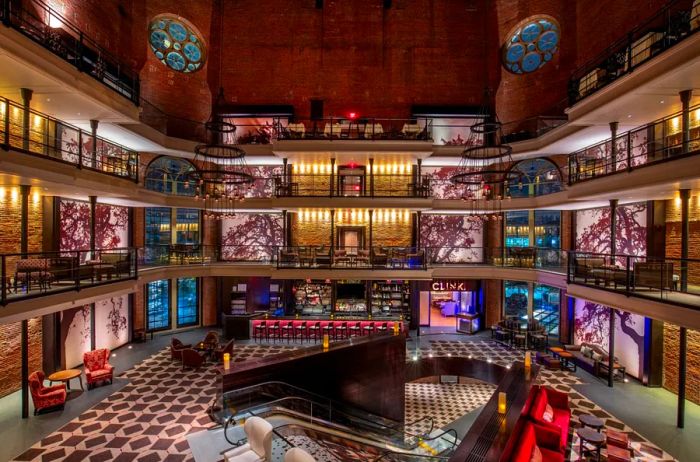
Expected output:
{"points": [[147, 420]]}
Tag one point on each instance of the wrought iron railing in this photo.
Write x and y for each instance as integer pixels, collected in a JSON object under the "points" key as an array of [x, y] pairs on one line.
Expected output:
{"points": [[676, 21], [32, 132], [364, 185], [36, 274], [649, 144], [36, 20]]}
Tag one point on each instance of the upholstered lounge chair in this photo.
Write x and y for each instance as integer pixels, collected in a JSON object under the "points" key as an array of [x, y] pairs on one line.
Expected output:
{"points": [[191, 358], [53, 397], [176, 347], [221, 351], [97, 367], [298, 455], [259, 445]]}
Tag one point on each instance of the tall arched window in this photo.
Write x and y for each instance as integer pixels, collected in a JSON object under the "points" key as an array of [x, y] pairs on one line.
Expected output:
{"points": [[537, 177], [170, 175]]}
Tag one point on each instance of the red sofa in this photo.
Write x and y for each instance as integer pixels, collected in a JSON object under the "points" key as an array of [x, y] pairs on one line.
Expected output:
{"points": [[532, 435], [45, 397], [560, 405], [97, 367]]}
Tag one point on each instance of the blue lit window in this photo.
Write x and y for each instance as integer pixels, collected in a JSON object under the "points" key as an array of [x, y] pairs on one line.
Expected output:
{"points": [[176, 43], [545, 306], [171, 176], [515, 300], [187, 302], [536, 177], [518, 229], [531, 44], [158, 305]]}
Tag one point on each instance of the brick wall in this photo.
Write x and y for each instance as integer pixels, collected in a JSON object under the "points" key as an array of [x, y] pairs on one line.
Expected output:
{"points": [[10, 224], [392, 231], [670, 372], [210, 311], [493, 299], [11, 356], [673, 234]]}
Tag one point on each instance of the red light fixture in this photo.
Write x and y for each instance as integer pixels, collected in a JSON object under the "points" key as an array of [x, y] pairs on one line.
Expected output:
{"points": [[352, 115]]}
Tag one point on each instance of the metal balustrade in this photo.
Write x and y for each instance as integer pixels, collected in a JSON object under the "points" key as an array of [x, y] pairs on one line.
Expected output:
{"points": [[36, 274], [31, 132], [674, 281], [39, 22], [650, 144], [675, 22]]}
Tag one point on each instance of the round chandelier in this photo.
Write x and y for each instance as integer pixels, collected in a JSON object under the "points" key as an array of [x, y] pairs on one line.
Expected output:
{"points": [[222, 177], [483, 171]]}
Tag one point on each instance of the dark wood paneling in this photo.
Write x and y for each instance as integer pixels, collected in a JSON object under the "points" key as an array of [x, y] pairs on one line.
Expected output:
{"points": [[366, 372]]}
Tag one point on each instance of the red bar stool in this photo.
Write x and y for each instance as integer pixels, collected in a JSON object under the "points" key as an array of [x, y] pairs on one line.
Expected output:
{"points": [[383, 328], [367, 328], [301, 331], [259, 330], [287, 331], [341, 330], [328, 329], [273, 331], [315, 331], [355, 330]]}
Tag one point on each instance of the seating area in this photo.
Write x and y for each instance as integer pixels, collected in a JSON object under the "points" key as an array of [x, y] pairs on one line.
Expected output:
{"points": [[300, 330], [594, 359], [346, 129], [516, 333], [194, 356], [97, 367], [376, 257]]}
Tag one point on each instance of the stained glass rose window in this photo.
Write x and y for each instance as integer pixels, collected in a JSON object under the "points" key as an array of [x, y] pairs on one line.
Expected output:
{"points": [[176, 43], [531, 44]]}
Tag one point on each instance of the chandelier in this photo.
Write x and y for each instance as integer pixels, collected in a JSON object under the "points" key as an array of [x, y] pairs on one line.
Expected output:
{"points": [[484, 171], [222, 179]]}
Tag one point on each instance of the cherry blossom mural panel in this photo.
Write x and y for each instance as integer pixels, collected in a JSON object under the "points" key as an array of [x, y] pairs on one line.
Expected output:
{"points": [[592, 325], [250, 236], [74, 217], [264, 184], [111, 226], [112, 322], [75, 335], [452, 238], [441, 186], [593, 230]]}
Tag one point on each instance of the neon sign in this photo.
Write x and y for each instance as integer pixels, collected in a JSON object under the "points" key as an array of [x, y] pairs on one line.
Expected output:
{"points": [[442, 286]]}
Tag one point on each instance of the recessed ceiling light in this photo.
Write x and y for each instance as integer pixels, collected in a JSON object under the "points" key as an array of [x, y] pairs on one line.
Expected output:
{"points": [[662, 101], [79, 114], [629, 116], [48, 100]]}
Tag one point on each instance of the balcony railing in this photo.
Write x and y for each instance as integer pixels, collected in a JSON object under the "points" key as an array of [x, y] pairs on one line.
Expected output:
{"points": [[668, 280], [32, 132], [406, 185], [42, 24], [343, 128], [656, 142], [676, 21], [37, 274]]}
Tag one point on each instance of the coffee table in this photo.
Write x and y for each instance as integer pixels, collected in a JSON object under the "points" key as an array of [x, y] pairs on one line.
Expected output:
{"points": [[591, 437], [566, 359], [66, 376], [592, 421]]}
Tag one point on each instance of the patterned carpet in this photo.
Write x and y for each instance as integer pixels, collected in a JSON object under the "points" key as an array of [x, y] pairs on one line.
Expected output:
{"points": [[563, 381], [147, 420]]}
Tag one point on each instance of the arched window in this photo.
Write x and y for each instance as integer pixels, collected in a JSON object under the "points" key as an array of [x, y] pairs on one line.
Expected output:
{"points": [[170, 175], [537, 178]]}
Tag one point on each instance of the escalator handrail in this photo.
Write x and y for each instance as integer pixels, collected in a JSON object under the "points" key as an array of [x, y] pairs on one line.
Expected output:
{"points": [[339, 426], [242, 441]]}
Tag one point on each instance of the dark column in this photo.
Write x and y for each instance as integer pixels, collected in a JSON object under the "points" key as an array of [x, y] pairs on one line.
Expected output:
{"points": [[332, 191], [24, 219], [418, 220], [93, 152], [288, 229], [93, 206], [613, 145], [613, 225], [685, 120], [653, 352], [682, 366], [24, 346], [611, 348], [685, 235], [371, 225], [371, 177], [26, 100], [284, 228], [332, 230], [284, 170]]}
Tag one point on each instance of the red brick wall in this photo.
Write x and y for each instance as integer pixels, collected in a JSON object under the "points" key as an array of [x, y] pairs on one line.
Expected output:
{"points": [[210, 312], [493, 296], [541, 92], [11, 355], [670, 373], [673, 235]]}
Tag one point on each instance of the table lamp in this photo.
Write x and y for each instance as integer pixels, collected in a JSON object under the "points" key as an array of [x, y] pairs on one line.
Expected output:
{"points": [[227, 360], [326, 341], [501, 402], [528, 360]]}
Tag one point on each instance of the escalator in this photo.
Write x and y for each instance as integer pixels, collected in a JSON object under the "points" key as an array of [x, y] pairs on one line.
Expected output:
{"points": [[332, 430]]}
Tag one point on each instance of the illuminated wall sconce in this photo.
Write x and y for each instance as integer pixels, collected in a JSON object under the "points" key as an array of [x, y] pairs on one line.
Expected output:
{"points": [[501, 402], [56, 9], [326, 341], [227, 361]]}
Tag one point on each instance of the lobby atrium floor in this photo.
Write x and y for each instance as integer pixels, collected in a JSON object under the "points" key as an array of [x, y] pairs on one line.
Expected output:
{"points": [[152, 407]]}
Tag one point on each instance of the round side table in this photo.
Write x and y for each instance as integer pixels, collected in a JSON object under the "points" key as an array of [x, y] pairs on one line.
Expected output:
{"points": [[592, 421], [66, 376], [591, 437]]}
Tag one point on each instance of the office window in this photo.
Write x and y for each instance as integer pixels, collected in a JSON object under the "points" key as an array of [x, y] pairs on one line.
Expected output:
{"points": [[537, 177], [187, 226], [158, 305], [187, 302], [518, 229], [158, 234], [171, 176]]}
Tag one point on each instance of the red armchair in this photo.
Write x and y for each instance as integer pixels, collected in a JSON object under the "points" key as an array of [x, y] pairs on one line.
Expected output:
{"points": [[45, 397], [97, 367], [533, 435], [560, 406], [176, 347]]}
